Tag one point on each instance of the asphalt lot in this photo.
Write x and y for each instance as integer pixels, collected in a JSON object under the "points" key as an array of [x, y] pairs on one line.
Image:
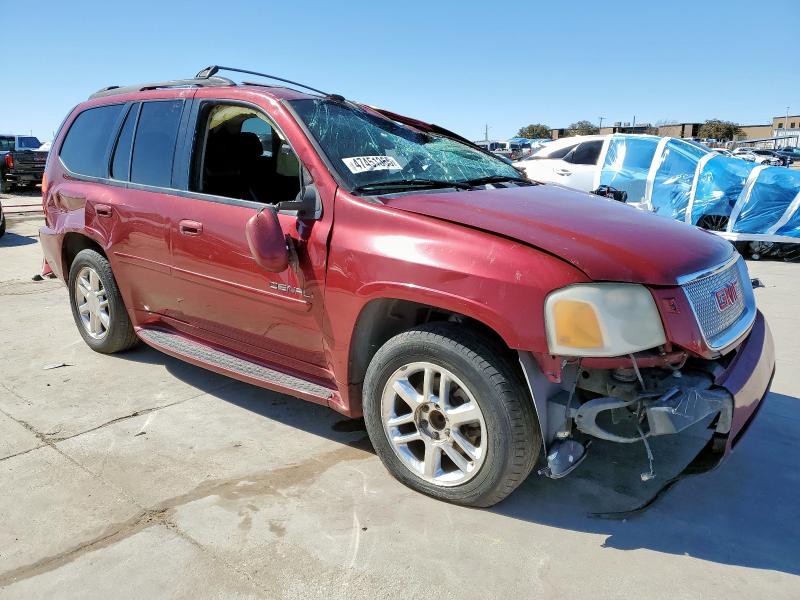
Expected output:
{"points": [[138, 476]]}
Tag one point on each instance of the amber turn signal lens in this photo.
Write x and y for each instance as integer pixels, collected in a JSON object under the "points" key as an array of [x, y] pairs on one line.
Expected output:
{"points": [[577, 325]]}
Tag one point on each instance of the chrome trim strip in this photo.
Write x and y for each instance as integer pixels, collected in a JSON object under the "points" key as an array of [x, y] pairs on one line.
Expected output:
{"points": [[684, 279]]}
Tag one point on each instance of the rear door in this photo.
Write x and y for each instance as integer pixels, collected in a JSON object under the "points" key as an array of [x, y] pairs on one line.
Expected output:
{"points": [[237, 162], [140, 201], [580, 165], [550, 167]]}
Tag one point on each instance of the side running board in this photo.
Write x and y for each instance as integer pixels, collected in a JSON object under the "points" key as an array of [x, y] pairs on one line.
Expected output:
{"points": [[208, 357]]}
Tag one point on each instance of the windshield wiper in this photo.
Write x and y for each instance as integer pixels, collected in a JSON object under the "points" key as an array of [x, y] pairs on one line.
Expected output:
{"points": [[411, 183], [494, 179]]}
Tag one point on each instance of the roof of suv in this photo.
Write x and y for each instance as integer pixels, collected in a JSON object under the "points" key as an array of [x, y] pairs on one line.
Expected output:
{"points": [[207, 78]]}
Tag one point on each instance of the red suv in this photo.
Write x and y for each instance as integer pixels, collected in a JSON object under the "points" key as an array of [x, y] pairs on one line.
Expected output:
{"points": [[480, 322]]}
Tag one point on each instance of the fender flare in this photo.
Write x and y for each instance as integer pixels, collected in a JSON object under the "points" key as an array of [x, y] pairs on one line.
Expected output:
{"points": [[392, 290]]}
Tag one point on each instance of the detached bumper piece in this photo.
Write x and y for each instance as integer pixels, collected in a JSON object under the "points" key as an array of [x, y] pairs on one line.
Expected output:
{"points": [[727, 398], [738, 394], [665, 414]]}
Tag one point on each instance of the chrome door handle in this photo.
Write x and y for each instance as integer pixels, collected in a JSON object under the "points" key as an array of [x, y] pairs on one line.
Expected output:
{"points": [[563, 172], [103, 210], [187, 227]]}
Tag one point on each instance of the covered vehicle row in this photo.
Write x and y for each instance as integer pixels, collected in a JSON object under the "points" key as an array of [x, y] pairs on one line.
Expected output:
{"points": [[682, 180]]}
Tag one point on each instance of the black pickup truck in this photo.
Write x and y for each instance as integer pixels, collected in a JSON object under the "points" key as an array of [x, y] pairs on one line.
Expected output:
{"points": [[21, 161]]}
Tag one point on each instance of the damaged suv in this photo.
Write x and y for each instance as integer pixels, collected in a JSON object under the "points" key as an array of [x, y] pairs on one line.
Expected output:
{"points": [[482, 323]]}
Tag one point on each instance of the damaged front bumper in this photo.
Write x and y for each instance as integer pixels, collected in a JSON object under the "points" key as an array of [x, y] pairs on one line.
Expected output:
{"points": [[728, 397]]}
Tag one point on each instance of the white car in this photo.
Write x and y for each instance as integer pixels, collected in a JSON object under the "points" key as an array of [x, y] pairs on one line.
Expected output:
{"points": [[570, 161], [721, 151], [760, 159]]}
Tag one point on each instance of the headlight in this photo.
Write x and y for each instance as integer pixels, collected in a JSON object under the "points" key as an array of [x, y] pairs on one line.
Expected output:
{"points": [[602, 319]]}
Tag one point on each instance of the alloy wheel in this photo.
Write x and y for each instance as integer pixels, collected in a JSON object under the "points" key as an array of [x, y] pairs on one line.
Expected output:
{"points": [[434, 424], [92, 302]]}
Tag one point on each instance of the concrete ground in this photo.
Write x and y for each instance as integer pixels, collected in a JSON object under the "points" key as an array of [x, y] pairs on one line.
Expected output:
{"points": [[138, 476]]}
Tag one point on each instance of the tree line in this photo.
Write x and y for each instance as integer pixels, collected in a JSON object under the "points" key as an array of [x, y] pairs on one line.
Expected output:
{"points": [[717, 129]]}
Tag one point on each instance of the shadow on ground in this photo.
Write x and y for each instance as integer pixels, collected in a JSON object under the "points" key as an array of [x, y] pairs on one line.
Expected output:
{"points": [[11, 239], [744, 513]]}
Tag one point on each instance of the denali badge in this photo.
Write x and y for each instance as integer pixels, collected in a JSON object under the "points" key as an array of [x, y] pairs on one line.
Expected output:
{"points": [[727, 295], [282, 287]]}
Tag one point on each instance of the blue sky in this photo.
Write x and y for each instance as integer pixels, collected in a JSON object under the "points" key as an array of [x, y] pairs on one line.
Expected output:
{"points": [[459, 64]]}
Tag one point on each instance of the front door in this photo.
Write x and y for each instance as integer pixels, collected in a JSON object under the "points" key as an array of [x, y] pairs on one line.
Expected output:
{"points": [[239, 163]]}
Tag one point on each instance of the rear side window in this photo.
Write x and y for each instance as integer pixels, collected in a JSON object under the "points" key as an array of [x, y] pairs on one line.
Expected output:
{"points": [[154, 146], [86, 147], [6, 143], [121, 163]]}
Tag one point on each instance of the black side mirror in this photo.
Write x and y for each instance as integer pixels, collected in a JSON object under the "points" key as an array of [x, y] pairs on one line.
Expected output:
{"points": [[306, 205]]}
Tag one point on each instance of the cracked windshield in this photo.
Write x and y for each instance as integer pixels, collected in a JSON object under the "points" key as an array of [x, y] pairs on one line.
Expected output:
{"points": [[371, 152]]}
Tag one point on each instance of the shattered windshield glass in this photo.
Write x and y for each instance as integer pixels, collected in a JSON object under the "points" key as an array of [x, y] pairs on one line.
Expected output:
{"points": [[367, 149]]}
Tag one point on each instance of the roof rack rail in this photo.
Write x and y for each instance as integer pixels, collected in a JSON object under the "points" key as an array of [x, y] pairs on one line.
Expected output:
{"points": [[214, 69], [175, 83]]}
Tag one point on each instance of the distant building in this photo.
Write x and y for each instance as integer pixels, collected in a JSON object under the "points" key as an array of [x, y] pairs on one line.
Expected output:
{"points": [[627, 128], [780, 126], [680, 130], [754, 132], [786, 126]]}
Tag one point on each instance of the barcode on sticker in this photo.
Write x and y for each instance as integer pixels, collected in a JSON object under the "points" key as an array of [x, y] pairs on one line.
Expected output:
{"points": [[360, 164]]}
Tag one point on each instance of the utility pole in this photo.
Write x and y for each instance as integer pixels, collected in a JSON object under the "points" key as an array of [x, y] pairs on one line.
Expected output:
{"points": [[486, 132], [634, 123], [601, 122], [786, 125]]}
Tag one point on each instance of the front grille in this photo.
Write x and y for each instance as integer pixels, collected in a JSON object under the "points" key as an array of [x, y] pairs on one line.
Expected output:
{"points": [[718, 300]]}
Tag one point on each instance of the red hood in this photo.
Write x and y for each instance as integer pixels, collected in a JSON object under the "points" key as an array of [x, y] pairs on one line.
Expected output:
{"points": [[605, 239]]}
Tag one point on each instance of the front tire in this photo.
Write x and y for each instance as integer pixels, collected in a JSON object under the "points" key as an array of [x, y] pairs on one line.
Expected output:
{"points": [[449, 416], [97, 305]]}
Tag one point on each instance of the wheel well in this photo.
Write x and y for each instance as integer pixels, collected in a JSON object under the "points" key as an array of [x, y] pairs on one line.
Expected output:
{"points": [[74, 243], [382, 319]]}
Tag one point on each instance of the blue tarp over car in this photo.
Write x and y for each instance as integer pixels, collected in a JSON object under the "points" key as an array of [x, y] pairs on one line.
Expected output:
{"points": [[685, 181]]}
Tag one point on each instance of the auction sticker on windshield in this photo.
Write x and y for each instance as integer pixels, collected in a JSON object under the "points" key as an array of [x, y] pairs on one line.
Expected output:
{"points": [[360, 164]]}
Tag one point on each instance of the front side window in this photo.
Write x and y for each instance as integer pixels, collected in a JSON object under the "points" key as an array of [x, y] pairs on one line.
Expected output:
{"points": [[367, 149], [238, 153], [154, 144], [86, 147]]}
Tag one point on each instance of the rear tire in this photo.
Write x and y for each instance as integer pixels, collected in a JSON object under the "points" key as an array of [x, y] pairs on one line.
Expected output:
{"points": [[97, 305], [479, 463], [5, 186]]}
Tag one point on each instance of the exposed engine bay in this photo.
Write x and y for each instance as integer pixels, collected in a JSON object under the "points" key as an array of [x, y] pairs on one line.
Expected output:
{"points": [[628, 404]]}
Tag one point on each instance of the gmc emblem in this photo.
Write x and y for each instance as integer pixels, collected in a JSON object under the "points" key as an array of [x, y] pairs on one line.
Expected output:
{"points": [[727, 295]]}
